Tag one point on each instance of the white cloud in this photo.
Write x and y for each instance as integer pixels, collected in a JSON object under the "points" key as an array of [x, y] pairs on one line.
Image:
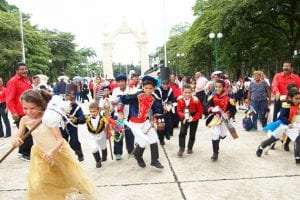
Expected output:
{"points": [[89, 19]]}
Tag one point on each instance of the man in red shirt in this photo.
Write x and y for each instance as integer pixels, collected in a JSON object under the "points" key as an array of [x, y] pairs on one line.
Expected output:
{"points": [[3, 112], [15, 88], [279, 85]]}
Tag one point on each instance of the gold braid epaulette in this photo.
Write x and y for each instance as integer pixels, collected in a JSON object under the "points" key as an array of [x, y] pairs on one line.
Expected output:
{"points": [[285, 105], [91, 129], [232, 101]]}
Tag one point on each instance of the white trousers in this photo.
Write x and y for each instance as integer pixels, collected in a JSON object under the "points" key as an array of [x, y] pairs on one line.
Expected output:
{"points": [[292, 133], [219, 130], [97, 141], [140, 136]]}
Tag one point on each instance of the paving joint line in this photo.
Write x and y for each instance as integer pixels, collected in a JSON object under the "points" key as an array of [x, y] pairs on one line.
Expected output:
{"points": [[241, 178], [171, 182], [174, 174]]}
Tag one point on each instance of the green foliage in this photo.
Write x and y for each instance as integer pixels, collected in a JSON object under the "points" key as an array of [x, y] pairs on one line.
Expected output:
{"points": [[256, 35], [51, 51]]}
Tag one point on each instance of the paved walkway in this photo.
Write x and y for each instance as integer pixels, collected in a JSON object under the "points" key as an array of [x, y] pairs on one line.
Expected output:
{"points": [[238, 174]]}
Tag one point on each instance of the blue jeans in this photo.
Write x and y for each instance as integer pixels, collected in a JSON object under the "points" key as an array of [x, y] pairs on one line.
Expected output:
{"points": [[260, 108]]}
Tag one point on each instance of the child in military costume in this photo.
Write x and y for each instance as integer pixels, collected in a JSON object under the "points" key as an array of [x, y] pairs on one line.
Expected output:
{"points": [[219, 103], [96, 125], [140, 105], [189, 110], [165, 93], [288, 122], [70, 132]]}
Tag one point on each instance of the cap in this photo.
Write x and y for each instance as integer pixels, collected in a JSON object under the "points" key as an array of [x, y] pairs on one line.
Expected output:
{"points": [[150, 79], [121, 77], [217, 73]]}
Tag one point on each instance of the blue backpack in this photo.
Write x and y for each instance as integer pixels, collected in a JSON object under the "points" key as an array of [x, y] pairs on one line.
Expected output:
{"points": [[247, 123]]}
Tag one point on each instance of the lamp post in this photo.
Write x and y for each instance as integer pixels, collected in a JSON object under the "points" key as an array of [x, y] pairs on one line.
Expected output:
{"points": [[22, 36], [179, 55], [50, 69], [216, 43]]}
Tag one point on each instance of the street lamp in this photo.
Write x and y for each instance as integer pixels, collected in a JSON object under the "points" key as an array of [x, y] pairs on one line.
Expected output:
{"points": [[216, 43], [50, 69], [179, 55]]}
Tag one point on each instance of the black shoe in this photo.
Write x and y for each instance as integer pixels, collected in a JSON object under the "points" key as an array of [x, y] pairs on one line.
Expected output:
{"points": [[7, 136], [286, 147], [168, 137], [138, 155], [98, 165], [80, 158], [273, 146], [25, 158], [162, 143], [297, 161], [141, 162], [286, 144], [215, 144], [104, 155], [190, 151], [79, 154], [214, 157], [1, 135], [156, 164], [97, 159], [259, 151]]}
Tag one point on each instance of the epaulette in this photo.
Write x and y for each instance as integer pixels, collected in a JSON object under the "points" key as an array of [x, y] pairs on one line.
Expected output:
{"points": [[87, 117], [210, 98], [232, 101], [286, 105]]}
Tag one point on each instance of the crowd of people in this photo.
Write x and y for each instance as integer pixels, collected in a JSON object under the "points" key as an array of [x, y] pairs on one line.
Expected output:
{"points": [[142, 111]]}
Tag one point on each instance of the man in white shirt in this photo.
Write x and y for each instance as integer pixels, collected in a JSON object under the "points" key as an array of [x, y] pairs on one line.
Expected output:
{"points": [[129, 138]]}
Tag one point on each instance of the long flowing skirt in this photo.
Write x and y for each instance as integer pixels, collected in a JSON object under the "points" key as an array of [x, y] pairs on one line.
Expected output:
{"points": [[55, 182]]}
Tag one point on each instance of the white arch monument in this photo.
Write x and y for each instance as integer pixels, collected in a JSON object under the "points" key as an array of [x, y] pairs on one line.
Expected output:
{"points": [[108, 45]]}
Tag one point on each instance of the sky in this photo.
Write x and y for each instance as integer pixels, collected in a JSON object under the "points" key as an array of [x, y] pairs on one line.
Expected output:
{"points": [[88, 20]]}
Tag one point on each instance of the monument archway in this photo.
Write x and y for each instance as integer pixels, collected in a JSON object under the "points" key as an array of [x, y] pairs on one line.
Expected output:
{"points": [[109, 42]]}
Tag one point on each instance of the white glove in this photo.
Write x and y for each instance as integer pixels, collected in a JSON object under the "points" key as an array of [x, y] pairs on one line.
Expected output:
{"points": [[216, 109]]}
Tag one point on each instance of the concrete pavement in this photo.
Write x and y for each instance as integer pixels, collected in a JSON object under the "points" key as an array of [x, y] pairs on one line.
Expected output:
{"points": [[238, 174]]}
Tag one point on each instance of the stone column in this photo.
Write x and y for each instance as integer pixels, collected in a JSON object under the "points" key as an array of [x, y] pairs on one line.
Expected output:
{"points": [[107, 60], [144, 57]]}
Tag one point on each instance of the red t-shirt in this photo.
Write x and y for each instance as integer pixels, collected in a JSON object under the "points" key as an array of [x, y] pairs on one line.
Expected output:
{"points": [[280, 82], [176, 90], [91, 85], [15, 88]]}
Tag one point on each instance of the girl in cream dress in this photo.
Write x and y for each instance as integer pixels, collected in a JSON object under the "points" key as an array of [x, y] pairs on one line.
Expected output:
{"points": [[54, 170]]}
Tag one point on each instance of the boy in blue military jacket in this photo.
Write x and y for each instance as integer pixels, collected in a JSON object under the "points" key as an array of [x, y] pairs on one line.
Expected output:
{"points": [[140, 105]]}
